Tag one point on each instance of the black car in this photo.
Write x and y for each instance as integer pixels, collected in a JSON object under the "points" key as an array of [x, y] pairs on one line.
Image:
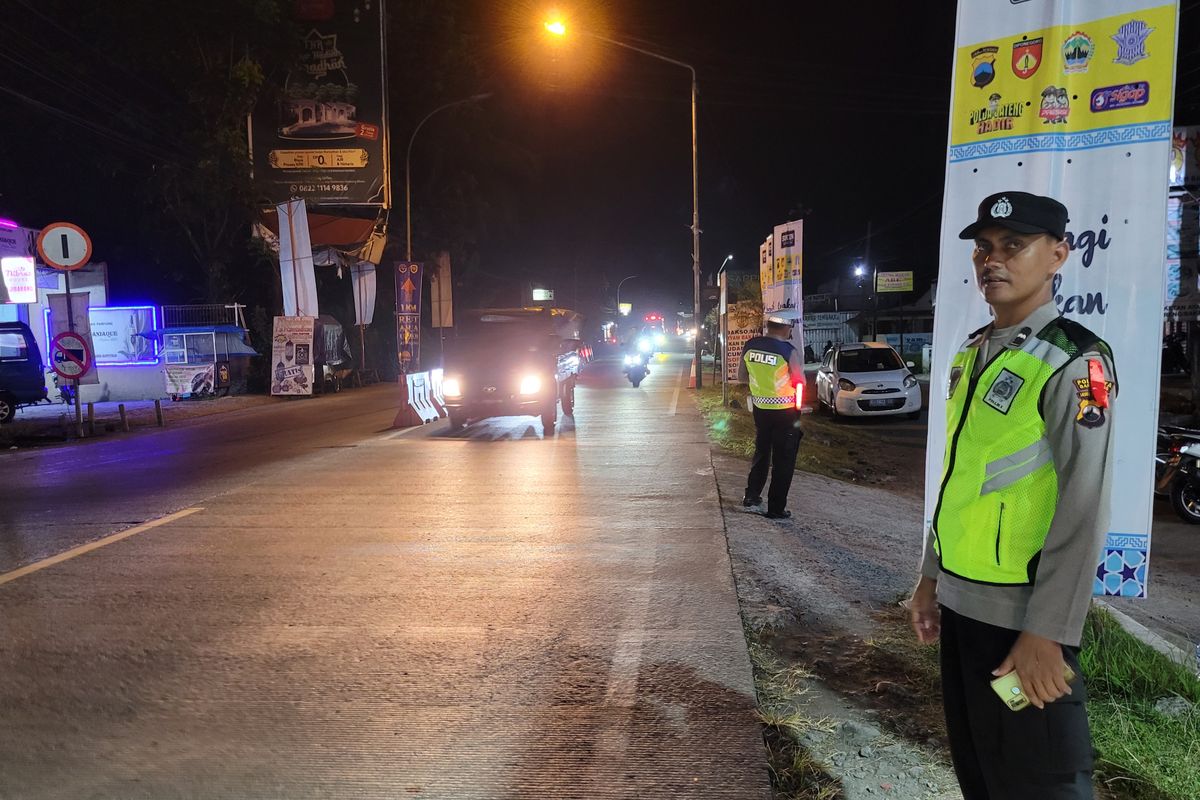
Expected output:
{"points": [[22, 373], [508, 362]]}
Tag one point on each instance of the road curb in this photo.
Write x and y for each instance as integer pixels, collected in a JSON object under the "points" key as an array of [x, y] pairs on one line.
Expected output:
{"points": [[1152, 639]]}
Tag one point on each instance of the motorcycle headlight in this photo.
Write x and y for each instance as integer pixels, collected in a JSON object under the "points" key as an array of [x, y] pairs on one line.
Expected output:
{"points": [[452, 387], [846, 385], [531, 384], [910, 381]]}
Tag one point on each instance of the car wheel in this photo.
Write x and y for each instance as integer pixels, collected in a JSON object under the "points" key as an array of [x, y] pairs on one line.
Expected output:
{"points": [[8, 409]]}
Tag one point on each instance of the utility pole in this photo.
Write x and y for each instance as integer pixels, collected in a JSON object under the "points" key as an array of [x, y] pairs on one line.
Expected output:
{"points": [[874, 286]]}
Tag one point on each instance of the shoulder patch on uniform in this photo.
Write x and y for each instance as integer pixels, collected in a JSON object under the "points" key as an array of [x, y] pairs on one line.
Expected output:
{"points": [[1004, 391], [1089, 407]]}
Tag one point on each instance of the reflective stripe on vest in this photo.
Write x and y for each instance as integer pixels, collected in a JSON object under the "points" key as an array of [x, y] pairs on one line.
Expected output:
{"points": [[770, 380], [999, 486]]}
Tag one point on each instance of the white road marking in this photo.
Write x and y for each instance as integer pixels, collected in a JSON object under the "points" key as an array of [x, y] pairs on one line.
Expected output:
{"points": [[8, 577], [674, 402], [407, 431]]}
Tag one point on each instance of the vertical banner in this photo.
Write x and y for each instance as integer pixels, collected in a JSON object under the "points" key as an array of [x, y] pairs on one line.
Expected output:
{"points": [[1070, 100], [363, 283], [788, 246], [322, 135], [766, 276], [441, 292], [292, 356], [742, 324], [296, 261], [408, 314]]}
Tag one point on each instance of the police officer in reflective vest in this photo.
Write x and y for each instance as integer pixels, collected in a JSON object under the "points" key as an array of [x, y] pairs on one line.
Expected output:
{"points": [[772, 367], [1022, 512]]}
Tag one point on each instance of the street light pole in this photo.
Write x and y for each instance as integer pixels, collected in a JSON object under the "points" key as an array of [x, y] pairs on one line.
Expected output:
{"points": [[622, 281], [723, 326], [558, 28], [407, 165]]}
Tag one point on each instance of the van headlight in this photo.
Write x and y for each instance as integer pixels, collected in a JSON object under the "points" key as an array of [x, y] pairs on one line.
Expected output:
{"points": [[531, 384], [452, 387]]}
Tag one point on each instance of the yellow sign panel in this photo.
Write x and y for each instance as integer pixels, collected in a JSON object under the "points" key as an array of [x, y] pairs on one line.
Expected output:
{"points": [[355, 158], [894, 282], [1092, 77]]}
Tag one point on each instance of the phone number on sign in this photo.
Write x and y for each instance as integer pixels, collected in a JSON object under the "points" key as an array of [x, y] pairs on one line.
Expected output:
{"points": [[320, 187]]}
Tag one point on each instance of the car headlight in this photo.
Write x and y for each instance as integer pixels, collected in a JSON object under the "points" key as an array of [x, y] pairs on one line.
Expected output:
{"points": [[644, 345], [846, 385], [531, 384], [910, 381], [452, 387]]}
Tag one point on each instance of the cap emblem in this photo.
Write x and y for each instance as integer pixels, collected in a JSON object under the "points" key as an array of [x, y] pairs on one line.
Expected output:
{"points": [[1002, 208]]}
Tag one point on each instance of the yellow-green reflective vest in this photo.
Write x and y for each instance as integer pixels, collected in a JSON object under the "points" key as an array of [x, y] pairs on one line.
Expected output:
{"points": [[999, 486], [770, 379]]}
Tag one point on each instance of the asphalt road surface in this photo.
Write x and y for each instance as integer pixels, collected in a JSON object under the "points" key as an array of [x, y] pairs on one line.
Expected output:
{"points": [[335, 609]]}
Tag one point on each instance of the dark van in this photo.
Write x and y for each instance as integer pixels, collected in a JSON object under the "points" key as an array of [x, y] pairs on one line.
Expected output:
{"points": [[22, 374]]}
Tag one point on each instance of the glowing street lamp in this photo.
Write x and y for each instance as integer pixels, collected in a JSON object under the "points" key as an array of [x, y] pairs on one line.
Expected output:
{"points": [[557, 27]]}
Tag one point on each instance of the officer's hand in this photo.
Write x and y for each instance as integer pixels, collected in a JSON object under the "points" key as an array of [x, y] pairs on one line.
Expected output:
{"points": [[924, 614], [1040, 668]]}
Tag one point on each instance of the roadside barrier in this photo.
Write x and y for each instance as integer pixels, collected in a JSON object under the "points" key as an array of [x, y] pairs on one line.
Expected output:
{"points": [[416, 406], [435, 389]]}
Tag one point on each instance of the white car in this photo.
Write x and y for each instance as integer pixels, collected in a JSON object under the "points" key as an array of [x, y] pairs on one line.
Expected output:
{"points": [[867, 379]]}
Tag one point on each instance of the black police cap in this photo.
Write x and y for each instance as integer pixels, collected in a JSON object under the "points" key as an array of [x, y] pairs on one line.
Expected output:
{"points": [[1021, 212]]}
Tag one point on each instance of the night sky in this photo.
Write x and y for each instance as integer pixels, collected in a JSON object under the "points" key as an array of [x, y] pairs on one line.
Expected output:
{"points": [[837, 115]]}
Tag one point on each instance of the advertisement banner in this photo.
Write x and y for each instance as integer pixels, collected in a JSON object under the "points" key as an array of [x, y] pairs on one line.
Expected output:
{"points": [[766, 276], [408, 314], [742, 325], [322, 135], [1185, 156], [894, 282], [116, 335], [292, 356], [77, 320], [441, 292], [1070, 100], [184, 379], [787, 245], [18, 282]]}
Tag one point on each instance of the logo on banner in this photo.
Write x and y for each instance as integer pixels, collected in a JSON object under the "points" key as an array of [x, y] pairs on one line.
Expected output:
{"points": [[983, 66], [787, 239], [1131, 42], [996, 116], [1056, 106], [1026, 57], [1077, 52], [1001, 208], [1127, 95]]}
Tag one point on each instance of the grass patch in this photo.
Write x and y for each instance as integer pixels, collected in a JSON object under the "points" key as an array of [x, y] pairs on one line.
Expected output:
{"points": [[795, 773], [859, 451], [1143, 754]]}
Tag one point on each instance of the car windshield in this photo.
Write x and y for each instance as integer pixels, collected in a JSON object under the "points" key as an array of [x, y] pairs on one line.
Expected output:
{"points": [[872, 359]]}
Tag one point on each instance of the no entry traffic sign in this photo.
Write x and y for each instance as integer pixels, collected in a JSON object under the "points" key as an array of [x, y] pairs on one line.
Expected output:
{"points": [[70, 355], [64, 246]]}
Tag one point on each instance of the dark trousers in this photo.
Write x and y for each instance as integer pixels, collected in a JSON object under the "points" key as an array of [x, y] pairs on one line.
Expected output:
{"points": [[1000, 754], [776, 440]]}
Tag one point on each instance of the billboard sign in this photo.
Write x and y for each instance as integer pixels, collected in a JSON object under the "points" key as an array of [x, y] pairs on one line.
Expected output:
{"points": [[894, 282], [322, 135]]}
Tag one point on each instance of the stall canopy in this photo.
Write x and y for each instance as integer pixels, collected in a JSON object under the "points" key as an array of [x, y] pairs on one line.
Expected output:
{"points": [[202, 343]]}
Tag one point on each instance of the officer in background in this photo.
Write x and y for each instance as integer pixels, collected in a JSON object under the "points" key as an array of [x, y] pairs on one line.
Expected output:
{"points": [[772, 367], [1022, 512]]}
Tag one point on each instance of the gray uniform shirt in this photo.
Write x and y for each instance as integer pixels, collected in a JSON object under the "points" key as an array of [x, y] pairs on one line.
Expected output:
{"points": [[1057, 602]]}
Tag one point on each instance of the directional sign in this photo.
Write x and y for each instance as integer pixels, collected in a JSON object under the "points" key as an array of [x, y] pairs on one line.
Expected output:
{"points": [[70, 355], [64, 246]]}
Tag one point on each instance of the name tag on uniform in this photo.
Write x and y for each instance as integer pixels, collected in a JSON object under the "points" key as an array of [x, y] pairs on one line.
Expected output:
{"points": [[1004, 390]]}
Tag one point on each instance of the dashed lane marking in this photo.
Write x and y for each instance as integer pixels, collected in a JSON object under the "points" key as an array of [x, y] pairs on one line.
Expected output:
{"points": [[8, 577]]}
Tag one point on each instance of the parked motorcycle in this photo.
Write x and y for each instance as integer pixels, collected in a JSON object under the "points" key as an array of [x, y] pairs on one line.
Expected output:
{"points": [[1177, 471], [636, 368]]}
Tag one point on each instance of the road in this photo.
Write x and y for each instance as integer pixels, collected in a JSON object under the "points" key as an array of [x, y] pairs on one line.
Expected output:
{"points": [[341, 610]]}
